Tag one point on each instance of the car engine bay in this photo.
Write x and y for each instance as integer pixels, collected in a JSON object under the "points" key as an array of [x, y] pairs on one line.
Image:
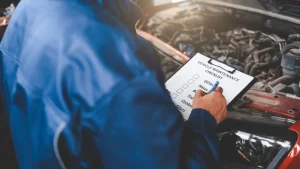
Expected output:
{"points": [[275, 61], [251, 43]]}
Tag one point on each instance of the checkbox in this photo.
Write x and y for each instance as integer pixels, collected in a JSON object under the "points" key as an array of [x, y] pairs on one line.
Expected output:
{"points": [[191, 81], [179, 91], [196, 76], [185, 86], [173, 96]]}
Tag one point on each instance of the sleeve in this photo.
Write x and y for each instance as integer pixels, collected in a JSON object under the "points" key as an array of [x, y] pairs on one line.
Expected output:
{"points": [[141, 128], [122, 117], [200, 141]]}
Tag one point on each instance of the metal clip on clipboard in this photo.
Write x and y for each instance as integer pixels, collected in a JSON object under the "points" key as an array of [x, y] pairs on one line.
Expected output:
{"points": [[231, 72]]}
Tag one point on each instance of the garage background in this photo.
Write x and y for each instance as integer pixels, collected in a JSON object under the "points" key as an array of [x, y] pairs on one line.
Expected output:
{"points": [[6, 3]]}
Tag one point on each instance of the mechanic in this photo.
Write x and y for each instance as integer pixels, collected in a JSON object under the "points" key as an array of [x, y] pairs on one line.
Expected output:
{"points": [[83, 91]]}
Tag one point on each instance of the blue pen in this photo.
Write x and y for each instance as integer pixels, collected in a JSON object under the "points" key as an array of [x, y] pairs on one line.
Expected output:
{"points": [[214, 87]]}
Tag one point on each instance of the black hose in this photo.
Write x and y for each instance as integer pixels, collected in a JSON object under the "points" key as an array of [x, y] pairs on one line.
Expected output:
{"points": [[296, 89], [249, 58], [283, 79], [256, 67], [248, 67], [287, 48], [238, 49]]}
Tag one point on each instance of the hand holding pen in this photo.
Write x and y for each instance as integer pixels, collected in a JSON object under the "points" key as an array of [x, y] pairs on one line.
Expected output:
{"points": [[214, 87], [213, 102]]}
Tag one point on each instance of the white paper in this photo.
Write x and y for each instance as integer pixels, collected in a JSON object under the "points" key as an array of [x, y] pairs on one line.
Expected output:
{"points": [[199, 74]]}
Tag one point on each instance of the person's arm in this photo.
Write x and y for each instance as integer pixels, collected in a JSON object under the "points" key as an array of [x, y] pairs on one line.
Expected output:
{"points": [[200, 130], [200, 141], [143, 129], [127, 120]]}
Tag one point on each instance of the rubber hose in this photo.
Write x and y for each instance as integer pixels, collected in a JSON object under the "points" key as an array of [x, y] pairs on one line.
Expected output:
{"points": [[249, 58], [287, 48], [260, 52], [283, 79], [257, 67], [248, 67], [238, 48], [296, 89], [262, 76]]}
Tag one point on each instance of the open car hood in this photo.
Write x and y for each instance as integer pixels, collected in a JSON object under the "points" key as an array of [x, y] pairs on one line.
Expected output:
{"points": [[258, 42], [285, 7]]}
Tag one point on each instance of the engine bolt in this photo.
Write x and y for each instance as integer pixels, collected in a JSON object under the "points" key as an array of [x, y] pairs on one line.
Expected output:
{"points": [[291, 112]]}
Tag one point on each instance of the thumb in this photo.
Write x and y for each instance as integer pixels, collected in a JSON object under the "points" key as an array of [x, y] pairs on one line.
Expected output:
{"points": [[219, 89]]}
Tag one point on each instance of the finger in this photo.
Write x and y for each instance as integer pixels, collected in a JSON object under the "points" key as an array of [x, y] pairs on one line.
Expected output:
{"points": [[203, 93], [225, 114], [200, 93], [219, 89]]}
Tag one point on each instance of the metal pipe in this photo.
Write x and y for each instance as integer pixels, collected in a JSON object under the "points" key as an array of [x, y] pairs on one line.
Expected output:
{"points": [[260, 52], [262, 76], [243, 38], [296, 89], [248, 67], [238, 49], [249, 58], [292, 96], [279, 93], [283, 79], [261, 90], [256, 67]]}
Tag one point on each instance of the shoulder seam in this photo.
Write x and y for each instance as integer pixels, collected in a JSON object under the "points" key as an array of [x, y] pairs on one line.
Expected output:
{"points": [[8, 54]]}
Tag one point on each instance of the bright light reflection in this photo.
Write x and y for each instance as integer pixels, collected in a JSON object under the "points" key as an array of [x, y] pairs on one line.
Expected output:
{"points": [[174, 1], [246, 136], [265, 143]]}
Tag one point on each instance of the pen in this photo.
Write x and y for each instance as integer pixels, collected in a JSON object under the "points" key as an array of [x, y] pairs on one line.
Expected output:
{"points": [[214, 87]]}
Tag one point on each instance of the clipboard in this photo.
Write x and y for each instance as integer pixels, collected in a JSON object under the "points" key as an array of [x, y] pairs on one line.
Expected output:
{"points": [[201, 72], [244, 91]]}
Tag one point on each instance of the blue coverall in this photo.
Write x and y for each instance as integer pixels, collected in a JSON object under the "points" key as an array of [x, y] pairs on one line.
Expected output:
{"points": [[81, 90]]}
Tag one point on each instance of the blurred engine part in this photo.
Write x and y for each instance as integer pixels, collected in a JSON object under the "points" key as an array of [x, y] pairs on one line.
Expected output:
{"points": [[272, 58], [277, 104], [9, 10], [168, 64], [291, 60], [257, 133], [5, 15], [258, 151]]}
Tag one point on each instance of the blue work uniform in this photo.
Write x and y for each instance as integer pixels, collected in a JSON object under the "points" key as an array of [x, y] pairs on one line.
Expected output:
{"points": [[81, 91]]}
